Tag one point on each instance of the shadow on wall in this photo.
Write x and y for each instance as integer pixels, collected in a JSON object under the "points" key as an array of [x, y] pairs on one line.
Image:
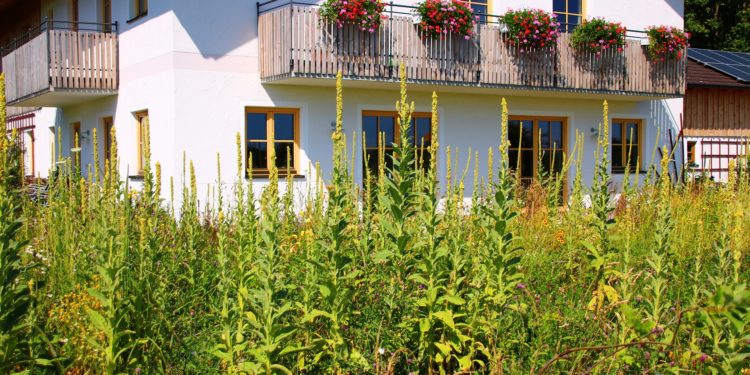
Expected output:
{"points": [[678, 6], [216, 28], [668, 129]]}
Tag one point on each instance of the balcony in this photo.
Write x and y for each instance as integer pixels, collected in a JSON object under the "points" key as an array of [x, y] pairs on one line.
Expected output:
{"points": [[297, 48], [61, 63]]}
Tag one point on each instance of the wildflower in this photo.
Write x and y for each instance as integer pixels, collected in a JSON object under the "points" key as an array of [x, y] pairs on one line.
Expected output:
{"points": [[703, 358], [520, 286], [381, 351]]}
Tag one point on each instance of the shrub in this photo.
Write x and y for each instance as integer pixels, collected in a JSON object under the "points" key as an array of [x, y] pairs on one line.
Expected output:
{"points": [[599, 35], [531, 28], [440, 17], [666, 42], [366, 14]]}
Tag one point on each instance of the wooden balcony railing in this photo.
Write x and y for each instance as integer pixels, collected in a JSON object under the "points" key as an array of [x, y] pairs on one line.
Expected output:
{"points": [[59, 57], [295, 43]]}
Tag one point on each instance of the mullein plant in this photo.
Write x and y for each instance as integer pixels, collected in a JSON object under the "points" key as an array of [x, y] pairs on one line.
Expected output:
{"points": [[499, 267], [337, 277]]}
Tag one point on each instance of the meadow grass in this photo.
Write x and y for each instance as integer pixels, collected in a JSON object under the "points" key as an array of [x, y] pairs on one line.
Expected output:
{"points": [[397, 275]]}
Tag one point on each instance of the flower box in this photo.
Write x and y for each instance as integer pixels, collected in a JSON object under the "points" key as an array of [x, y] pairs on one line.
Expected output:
{"points": [[367, 15], [666, 43], [599, 35], [440, 18], [531, 28]]}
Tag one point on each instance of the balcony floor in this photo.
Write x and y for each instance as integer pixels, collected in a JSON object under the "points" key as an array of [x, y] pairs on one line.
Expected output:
{"points": [[61, 97], [466, 88]]}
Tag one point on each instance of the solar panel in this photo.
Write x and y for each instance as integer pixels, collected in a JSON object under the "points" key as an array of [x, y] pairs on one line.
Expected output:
{"points": [[734, 64]]}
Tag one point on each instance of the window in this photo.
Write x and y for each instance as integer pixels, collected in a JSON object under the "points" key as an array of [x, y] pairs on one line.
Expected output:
{"points": [[107, 130], [480, 8], [276, 128], [381, 129], [75, 145], [74, 14], [138, 9], [569, 13], [141, 119], [626, 141], [535, 140], [107, 15], [691, 152]]}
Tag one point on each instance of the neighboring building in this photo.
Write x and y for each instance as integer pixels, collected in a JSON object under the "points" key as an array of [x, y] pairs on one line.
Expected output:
{"points": [[202, 72], [717, 110]]}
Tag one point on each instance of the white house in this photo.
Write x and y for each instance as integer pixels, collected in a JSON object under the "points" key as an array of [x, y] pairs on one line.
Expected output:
{"points": [[204, 71]]}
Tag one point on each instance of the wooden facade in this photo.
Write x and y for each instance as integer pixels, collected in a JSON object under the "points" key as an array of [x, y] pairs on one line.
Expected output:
{"points": [[716, 105], [62, 60], [294, 43]]}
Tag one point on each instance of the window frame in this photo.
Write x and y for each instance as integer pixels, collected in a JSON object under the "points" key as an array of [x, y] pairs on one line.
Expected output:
{"points": [[535, 139], [270, 139], [691, 148], [138, 10], [76, 136], [565, 25], [626, 146], [488, 3], [396, 132], [106, 15], [107, 125], [139, 117]]}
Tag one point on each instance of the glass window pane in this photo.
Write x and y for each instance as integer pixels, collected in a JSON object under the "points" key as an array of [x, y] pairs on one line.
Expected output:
{"points": [[388, 160], [282, 150], [388, 126], [632, 131], [514, 129], [574, 6], [370, 127], [528, 134], [423, 132], [256, 126], [544, 134], [558, 167], [527, 163], [558, 6], [556, 135], [617, 161], [616, 133], [258, 150], [372, 162], [283, 126], [574, 20], [633, 158], [512, 159]]}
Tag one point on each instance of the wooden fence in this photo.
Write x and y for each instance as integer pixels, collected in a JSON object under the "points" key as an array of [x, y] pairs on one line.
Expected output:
{"points": [[62, 59], [294, 42]]}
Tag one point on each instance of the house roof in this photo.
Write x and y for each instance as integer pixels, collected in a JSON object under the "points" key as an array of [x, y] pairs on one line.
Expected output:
{"points": [[718, 68]]}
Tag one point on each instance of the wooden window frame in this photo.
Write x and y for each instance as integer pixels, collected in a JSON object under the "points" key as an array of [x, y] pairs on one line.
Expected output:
{"points": [[562, 17], [107, 125], [626, 146], [270, 139], [106, 15], [535, 138], [76, 134], [691, 148], [74, 14], [487, 3], [396, 131], [139, 117], [138, 11]]}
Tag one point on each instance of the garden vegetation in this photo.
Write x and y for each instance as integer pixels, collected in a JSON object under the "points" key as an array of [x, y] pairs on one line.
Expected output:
{"points": [[397, 275]]}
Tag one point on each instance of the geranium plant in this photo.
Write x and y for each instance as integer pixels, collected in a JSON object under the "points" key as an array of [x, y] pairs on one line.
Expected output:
{"points": [[598, 35], [366, 14], [531, 28], [666, 42], [440, 17]]}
